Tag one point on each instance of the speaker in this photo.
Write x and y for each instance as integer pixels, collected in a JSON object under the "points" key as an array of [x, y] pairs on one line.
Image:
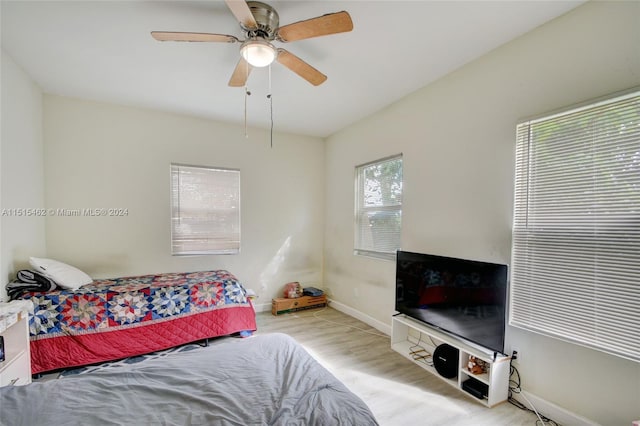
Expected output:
{"points": [[445, 361]]}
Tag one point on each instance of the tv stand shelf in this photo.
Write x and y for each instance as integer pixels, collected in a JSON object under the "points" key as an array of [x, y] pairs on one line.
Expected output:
{"points": [[417, 341]]}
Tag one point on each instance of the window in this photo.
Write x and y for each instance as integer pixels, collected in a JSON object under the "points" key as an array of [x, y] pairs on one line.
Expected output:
{"points": [[379, 208], [576, 232], [205, 210]]}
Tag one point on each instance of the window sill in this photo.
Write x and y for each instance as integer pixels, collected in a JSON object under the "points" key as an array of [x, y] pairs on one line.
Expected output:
{"points": [[375, 255]]}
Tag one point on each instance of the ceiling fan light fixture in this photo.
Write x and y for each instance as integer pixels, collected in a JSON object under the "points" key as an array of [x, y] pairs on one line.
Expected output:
{"points": [[258, 53]]}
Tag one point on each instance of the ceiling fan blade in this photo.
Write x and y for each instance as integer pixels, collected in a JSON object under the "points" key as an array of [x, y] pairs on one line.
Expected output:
{"points": [[301, 68], [240, 74], [331, 23], [243, 14], [179, 36]]}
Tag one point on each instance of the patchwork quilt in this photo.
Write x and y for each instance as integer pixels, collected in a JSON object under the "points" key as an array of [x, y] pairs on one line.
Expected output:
{"points": [[120, 317]]}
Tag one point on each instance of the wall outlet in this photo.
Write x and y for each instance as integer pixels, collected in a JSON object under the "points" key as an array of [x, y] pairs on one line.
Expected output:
{"points": [[515, 355]]}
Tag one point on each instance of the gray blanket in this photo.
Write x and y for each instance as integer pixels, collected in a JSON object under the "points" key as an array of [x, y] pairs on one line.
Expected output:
{"points": [[262, 380]]}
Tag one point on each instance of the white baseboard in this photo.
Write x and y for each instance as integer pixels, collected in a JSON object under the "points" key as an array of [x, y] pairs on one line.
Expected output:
{"points": [[378, 325], [552, 411], [262, 307]]}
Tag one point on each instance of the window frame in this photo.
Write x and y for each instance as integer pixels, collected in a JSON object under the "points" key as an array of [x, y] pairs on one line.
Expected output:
{"points": [[360, 208]]}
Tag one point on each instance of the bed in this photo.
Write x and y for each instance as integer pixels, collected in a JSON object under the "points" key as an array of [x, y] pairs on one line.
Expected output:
{"points": [[262, 380], [117, 318]]}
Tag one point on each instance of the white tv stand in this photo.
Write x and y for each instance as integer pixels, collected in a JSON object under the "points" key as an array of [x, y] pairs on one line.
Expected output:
{"points": [[409, 336]]}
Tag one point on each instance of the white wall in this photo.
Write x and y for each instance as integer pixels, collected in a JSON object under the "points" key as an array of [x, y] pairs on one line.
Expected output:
{"points": [[457, 136], [105, 156], [21, 176]]}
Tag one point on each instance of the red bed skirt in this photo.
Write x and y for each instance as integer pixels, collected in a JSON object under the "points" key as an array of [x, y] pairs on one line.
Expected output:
{"points": [[82, 349]]}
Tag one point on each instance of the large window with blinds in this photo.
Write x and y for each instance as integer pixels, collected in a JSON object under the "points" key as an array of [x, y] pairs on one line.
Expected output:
{"points": [[576, 233], [378, 212], [205, 210]]}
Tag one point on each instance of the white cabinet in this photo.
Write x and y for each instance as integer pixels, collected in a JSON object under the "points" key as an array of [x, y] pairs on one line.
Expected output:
{"points": [[14, 328], [417, 342]]}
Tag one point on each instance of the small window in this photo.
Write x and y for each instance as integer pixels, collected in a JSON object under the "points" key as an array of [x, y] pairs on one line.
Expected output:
{"points": [[378, 215], [205, 210]]}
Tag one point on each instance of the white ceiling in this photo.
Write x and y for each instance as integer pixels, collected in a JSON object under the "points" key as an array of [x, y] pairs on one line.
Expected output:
{"points": [[102, 50]]}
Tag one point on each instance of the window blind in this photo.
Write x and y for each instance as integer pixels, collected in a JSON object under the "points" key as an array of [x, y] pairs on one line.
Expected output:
{"points": [[378, 215], [575, 270], [205, 210]]}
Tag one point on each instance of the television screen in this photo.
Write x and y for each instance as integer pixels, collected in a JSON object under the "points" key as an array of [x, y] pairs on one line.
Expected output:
{"points": [[463, 297]]}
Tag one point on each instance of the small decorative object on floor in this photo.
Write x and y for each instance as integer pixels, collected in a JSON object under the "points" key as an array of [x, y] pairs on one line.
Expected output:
{"points": [[292, 290], [286, 305], [312, 291]]}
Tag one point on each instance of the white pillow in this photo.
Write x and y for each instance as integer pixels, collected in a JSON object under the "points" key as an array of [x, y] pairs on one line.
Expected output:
{"points": [[64, 275]]}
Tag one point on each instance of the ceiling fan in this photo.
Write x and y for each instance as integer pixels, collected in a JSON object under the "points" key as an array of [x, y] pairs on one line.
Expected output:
{"points": [[260, 23]]}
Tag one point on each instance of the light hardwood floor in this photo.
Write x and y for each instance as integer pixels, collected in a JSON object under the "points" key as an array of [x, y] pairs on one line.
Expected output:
{"points": [[397, 391]]}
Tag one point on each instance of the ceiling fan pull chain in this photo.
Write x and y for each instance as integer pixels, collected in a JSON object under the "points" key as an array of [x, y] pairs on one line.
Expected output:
{"points": [[269, 94], [247, 93], [270, 97]]}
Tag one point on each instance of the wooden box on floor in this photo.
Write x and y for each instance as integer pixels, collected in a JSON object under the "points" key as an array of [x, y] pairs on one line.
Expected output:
{"points": [[283, 305]]}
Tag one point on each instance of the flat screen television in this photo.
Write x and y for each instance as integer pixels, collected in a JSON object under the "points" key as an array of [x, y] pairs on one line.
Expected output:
{"points": [[462, 297]]}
